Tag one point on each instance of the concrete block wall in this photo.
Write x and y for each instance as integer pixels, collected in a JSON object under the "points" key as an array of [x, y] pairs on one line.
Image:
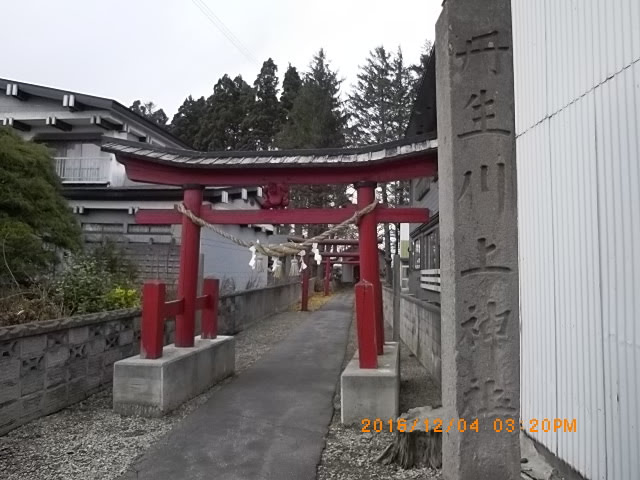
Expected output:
{"points": [[46, 366], [419, 329], [152, 260]]}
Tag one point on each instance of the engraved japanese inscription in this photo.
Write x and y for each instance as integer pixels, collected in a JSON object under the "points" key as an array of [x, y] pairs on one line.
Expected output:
{"points": [[485, 49]]}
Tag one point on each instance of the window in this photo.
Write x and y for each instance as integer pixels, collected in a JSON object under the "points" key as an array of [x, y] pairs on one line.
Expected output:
{"points": [[416, 254], [433, 249], [102, 227], [151, 229], [77, 150], [426, 250]]}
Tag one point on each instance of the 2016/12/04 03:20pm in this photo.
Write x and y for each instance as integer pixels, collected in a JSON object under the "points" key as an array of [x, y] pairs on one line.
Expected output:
{"points": [[440, 425]]}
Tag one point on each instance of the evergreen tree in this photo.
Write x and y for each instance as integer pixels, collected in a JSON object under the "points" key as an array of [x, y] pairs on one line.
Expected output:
{"points": [[290, 88], [225, 125], [266, 115], [379, 109], [380, 103], [402, 99], [35, 219], [151, 111], [401, 95], [370, 103], [186, 123], [417, 70], [316, 119]]}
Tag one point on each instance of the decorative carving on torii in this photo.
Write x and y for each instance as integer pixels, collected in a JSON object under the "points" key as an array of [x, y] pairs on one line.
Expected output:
{"points": [[274, 196]]}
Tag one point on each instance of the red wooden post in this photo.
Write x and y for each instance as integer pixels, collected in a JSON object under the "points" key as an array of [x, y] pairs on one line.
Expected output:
{"points": [[367, 348], [152, 327], [305, 287], [210, 289], [369, 269], [327, 277], [188, 279]]}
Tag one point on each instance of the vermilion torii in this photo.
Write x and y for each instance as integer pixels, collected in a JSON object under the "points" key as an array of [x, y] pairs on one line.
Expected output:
{"points": [[363, 167]]}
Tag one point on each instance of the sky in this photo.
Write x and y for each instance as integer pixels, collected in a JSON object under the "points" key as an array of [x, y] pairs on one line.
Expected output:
{"points": [[165, 50]]}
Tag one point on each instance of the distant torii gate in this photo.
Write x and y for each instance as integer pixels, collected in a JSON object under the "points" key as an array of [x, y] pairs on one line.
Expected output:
{"points": [[362, 167], [333, 242]]}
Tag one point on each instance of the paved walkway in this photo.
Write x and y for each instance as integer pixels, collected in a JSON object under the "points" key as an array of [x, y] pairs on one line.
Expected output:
{"points": [[271, 420]]}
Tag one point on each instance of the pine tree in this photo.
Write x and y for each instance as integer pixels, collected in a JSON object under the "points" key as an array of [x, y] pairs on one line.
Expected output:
{"points": [[186, 123], [225, 125], [150, 111], [266, 116], [34, 217]]}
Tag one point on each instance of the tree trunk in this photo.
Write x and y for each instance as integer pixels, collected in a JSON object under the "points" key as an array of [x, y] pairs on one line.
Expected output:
{"points": [[416, 447]]}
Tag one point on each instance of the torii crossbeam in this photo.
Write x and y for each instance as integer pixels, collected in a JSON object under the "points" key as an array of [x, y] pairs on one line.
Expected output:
{"points": [[363, 167]]}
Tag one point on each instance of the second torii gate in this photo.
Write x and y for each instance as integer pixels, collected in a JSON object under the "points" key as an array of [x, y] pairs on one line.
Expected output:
{"points": [[333, 242], [362, 167]]}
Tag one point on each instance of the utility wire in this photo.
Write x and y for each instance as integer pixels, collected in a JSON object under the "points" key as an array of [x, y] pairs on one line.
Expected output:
{"points": [[222, 28]]}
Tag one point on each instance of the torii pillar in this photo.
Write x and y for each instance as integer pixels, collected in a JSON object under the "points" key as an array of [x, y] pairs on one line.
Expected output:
{"points": [[369, 262], [327, 277], [479, 240], [189, 263]]}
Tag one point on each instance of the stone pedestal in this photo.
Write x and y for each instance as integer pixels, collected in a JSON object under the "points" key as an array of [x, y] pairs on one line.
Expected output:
{"points": [[152, 388], [479, 239], [371, 392]]}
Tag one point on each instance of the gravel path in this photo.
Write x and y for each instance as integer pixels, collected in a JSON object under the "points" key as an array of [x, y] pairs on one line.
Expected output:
{"points": [[87, 441], [350, 454]]}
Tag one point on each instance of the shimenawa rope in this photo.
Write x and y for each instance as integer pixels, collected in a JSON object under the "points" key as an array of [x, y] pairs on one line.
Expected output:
{"points": [[282, 249]]}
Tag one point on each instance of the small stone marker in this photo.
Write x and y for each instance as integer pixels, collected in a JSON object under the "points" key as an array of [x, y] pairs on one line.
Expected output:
{"points": [[478, 228]]}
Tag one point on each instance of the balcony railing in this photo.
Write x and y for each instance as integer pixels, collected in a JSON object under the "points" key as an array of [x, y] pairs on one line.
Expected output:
{"points": [[82, 169]]}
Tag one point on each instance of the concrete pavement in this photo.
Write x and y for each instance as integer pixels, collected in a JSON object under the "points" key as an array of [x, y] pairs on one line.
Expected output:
{"points": [[270, 421]]}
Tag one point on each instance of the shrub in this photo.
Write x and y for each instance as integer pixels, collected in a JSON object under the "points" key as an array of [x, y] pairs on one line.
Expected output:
{"points": [[122, 297], [102, 280], [83, 287], [35, 220]]}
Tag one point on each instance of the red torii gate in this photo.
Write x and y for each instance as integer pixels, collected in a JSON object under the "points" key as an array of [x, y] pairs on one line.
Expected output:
{"points": [[363, 167]]}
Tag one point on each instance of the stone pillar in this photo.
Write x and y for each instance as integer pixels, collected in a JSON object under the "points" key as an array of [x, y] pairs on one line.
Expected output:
{"points": [[479, 240]]}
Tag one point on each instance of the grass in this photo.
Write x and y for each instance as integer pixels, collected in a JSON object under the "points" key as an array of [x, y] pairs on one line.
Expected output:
{"points": [[316, 300]]}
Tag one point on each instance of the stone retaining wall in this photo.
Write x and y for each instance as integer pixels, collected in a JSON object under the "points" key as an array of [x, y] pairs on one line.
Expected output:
{"points": [[46, 366], [419, 329]]}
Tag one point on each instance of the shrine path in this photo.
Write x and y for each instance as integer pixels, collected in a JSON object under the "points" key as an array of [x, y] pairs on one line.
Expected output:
{"points": [[270, 421]]}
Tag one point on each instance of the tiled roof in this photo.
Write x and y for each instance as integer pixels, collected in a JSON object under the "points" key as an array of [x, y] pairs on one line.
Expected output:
{"points": [[370, 154]]}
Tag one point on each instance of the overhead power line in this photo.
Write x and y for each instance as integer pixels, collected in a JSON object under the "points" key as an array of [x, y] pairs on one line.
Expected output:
{"points": [[222, 28]]}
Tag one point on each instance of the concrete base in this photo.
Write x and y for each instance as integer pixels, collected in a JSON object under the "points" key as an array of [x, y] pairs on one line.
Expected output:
{"points": [[151, 388], [372, 393]]}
